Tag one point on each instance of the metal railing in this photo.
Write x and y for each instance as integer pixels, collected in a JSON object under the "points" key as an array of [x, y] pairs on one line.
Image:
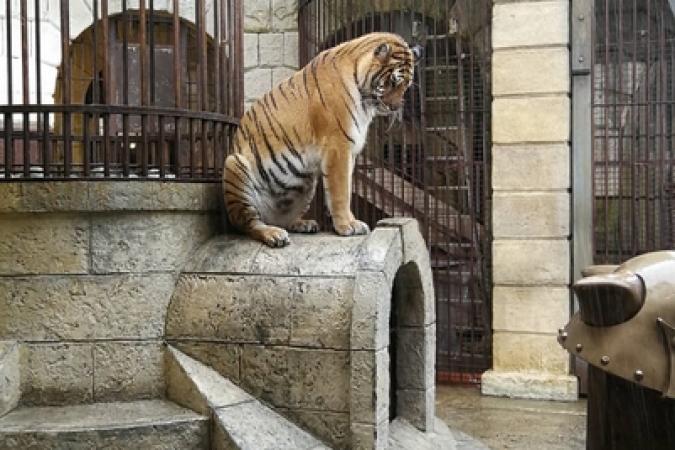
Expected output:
{"points": [[633, 114], [435, 164], [144, 93]]}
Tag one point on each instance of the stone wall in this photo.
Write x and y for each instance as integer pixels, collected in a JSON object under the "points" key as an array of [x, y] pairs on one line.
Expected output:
{"points": [[86, 273], [531, 204], [270, 45]]}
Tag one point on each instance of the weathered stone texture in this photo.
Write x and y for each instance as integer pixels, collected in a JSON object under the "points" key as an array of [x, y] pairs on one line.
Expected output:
{"points": [[250, 425], [146, 242], [547, 71], [415, 355], [145, 424], [337, 256], [56, 374], [370, 319], [530, 23], [331, 427], [84, 307], [232, 308], [10, 376], [367, 436], [535, 309], [250, 50], [417, 407], [224, 254], [285, 14], [529, 352], [264, 373], [48, 243], [128, 370], [279, 74], [291, 49], [370, 384], [223, 358], [531, 167], [531, 262], [257, 15], [530, 385], [105, 196], [257, 81], [531, 119], [319, 379], [541, 214], [271, 49]]}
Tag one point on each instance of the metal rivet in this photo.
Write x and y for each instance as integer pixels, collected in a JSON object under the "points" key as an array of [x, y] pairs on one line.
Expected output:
{"points": [[563, 335], [581, 59], [604, 360], [639, 375], [579, 347], [581, 17]]}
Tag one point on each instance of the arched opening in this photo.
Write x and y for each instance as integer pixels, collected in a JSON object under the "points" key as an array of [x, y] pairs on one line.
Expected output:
{"points": [[406, 338]]}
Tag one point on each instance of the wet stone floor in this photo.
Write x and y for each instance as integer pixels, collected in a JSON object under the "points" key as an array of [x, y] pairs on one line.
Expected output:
{"points": [[500, 423]]}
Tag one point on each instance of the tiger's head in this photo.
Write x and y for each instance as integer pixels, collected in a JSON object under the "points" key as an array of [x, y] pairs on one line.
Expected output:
{"points": [[390, 73]]}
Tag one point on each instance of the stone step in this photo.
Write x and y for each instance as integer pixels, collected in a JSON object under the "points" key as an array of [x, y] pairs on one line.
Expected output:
{"points": [[240, 421], [146, 424]]}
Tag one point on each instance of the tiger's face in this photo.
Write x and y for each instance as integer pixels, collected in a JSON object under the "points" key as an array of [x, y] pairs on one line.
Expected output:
{"points": [[393, 71]]}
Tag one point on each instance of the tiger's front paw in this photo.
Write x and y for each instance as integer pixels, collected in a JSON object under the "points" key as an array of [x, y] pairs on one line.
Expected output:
{"points": [[274, 237], [353, 228], [304, 226]]}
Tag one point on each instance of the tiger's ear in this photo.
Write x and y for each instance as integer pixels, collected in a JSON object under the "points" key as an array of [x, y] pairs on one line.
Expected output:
{"points": [[382, 52]]}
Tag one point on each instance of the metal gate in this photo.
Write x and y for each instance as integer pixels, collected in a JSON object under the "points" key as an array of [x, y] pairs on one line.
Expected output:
{"points": [[435, 164], [633, 115]]}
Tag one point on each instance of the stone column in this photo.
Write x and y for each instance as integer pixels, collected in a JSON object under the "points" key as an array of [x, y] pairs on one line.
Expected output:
{"points": [[270, 45], [531, 212]]}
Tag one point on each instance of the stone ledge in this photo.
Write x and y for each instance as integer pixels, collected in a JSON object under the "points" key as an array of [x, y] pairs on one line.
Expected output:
{"points": [[530, 385], [108, 196], [10, 377]]}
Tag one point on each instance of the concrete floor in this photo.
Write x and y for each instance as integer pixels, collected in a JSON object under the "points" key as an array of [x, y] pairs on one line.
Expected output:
{"points": [[501, 423]]}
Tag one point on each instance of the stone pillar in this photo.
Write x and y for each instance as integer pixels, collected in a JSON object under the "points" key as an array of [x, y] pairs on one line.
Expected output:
{"points": [[270, 45], [531, 209]]}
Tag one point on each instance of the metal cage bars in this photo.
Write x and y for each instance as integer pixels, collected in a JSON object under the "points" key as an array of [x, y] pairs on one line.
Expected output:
{"points": [[138, 93]]}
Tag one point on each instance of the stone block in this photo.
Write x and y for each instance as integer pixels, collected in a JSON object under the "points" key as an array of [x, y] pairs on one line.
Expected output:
{"points": [[319, 379], [54, 196], [128, 371], [382, 252], [417, 407], [57, 374], [547, 167], [367, 436], [317, 254], [285, 14], [547, 71], [531, 119], [250, 50], [271, 49], [257, 16], [330, 427], [84, 307], [321, 313], [415, 357], [371, 311], [223, 254], [531, 262], [541, 386], [408, 297], [530, 309], [146, 242], [48, 243], [280, 74], [10, 376], [233, 309], [291, 49], [264, 373], [223, 358], [370, 384], [513, 352], [105, 196], [257, 82], [530, 23], [530, 214]]}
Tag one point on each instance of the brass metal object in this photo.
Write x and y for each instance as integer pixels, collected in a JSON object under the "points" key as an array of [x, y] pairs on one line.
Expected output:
{"points": [[627, 315]]}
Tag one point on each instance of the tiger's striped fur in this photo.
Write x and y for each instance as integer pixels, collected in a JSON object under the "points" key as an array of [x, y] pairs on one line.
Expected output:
{"points": [[313, 123]]}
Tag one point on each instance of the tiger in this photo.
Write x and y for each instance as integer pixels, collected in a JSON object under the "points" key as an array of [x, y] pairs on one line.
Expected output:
{"points": [[313, 124]]}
